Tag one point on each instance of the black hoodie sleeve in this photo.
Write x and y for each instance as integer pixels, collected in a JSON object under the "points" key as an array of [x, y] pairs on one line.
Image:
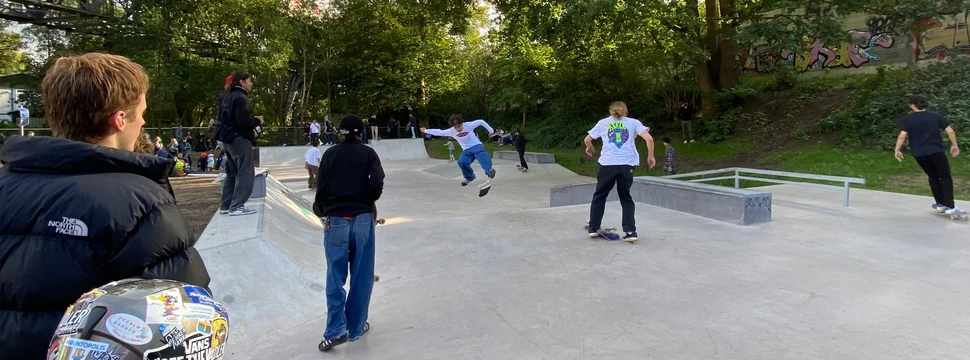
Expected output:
{"points": [[376, 176], [320, 197], [244, 113]]}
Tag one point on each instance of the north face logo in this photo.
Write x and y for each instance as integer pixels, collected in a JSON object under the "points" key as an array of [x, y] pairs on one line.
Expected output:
{"points": [[69, 226]]}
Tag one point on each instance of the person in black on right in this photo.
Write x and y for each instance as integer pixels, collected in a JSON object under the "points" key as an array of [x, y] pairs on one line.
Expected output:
{"points": [[926, 144], [519, 143]]}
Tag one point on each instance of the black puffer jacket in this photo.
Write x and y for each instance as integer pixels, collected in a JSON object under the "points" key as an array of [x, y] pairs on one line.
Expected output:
{"points": [[74, 216]]}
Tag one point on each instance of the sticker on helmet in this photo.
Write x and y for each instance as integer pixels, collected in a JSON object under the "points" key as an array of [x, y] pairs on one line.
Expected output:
{"points": [[76, 313], [201, 296], [164, 307], [86, 344], [129, 329], [172, 334], [196, 347], [198, 312]]}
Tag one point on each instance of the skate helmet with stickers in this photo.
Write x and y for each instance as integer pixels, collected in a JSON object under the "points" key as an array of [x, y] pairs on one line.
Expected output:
{"points": [[144, 320]]}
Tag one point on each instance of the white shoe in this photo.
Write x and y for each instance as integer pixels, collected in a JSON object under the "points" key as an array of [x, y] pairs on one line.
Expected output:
{"points": [[956, 210]]}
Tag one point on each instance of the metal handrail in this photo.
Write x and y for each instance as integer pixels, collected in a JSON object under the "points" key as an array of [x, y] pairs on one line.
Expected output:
{"points": [[737, 177]]}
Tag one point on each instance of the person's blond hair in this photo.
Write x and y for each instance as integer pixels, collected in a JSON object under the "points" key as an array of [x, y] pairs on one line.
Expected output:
{"points": [[81, 92], [618, 109]]}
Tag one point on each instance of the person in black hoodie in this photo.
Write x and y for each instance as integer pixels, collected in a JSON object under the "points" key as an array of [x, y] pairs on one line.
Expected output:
{"points": [[519, 142], [350, 181], [81, 209], [237, 131]]}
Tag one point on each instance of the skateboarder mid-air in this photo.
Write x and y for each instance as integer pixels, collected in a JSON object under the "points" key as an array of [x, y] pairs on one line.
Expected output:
{"points": [[350, 182], [471, 146], [618, 158], [926, 144]]}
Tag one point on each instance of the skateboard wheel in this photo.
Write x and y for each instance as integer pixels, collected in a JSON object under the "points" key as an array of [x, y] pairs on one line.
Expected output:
{"points": [[377, 278], [380, 221]]}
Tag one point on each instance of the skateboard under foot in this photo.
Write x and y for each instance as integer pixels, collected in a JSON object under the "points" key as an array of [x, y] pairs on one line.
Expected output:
{"points": [[961, 216], [608, 234]]}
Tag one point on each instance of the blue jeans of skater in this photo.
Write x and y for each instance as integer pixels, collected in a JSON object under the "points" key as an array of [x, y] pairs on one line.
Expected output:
{"points": [[473, 153], [349, 246]]}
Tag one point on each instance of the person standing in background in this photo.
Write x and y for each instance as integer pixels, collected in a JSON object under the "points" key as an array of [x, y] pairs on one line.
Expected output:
{"points": [[237, 131], [373, 127], [314, 131], [392, 128], [312, 162], [412, 124], [519, 143]]}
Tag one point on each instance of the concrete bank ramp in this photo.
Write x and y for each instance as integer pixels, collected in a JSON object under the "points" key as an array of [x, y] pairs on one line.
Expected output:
{"points": [[267, 268], [388, 150]]}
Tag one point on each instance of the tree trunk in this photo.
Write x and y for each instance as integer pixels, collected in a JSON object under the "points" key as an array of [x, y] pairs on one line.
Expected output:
{"points": [[713, 39], [523, 117], [728, 72], [706, 82]]}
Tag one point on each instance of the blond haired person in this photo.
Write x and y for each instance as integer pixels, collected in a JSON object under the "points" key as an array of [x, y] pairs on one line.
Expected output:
{"points": [[81, 208], [618, 158]]}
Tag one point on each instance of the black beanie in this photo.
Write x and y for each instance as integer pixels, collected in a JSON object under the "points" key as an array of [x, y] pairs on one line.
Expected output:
{"points": [[352, 124]]}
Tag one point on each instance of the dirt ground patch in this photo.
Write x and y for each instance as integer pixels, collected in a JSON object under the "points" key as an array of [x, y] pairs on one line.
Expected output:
{"points": [[198, 198], [919, 181]]}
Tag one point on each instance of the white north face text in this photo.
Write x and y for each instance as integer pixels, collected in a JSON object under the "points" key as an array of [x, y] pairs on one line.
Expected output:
{"points": [[69, 226]]}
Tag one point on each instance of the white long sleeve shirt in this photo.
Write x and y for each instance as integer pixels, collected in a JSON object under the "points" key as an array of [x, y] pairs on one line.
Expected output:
{"points": [[466, 138]]}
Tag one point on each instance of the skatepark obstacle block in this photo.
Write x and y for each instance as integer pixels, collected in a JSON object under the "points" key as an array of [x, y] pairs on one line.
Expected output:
{"points": [[736, 206], [530, 157]]}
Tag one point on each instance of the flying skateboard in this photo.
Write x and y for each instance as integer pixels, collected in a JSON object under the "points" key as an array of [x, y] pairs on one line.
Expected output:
{"points": [[605, 233], [960, 216]]}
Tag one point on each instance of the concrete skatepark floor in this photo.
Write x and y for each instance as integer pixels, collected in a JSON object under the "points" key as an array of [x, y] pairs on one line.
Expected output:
{"points": [[506, 277]]}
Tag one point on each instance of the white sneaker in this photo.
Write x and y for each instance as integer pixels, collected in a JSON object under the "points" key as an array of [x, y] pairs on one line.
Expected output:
{"points": [[956, 210]]}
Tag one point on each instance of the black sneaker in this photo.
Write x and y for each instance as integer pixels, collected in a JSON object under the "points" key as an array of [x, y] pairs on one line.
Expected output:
{"points": [[630, 236], [466, 182], [491, 174], [366, 328], [328, 344]]}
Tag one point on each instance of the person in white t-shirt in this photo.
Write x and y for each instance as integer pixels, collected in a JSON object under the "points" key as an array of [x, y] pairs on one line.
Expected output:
{"points": [[314, 131], [617, 159], [312, 158], [471, 146]]}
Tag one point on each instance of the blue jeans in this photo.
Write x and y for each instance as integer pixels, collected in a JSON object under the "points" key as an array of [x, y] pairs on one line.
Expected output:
{"points": [[473, 153], [349, 244]]}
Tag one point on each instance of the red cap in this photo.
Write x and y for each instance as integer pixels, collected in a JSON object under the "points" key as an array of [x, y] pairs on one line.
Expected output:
{"points": [[228, 79]]}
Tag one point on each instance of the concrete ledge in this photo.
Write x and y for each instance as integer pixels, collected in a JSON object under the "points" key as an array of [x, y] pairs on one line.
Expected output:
{"points": [[530, 157], [736, 206]]}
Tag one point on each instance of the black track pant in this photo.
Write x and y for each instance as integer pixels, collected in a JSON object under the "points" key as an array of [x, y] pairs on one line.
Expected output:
{"points": [[522, 158], [937, 169], [608, 176]]}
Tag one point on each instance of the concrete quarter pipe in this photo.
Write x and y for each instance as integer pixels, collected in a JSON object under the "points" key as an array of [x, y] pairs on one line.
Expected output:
{"points": [[387, 149]]}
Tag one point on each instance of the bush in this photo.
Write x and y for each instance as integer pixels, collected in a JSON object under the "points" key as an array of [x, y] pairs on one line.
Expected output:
{"points": [[871, 120]]}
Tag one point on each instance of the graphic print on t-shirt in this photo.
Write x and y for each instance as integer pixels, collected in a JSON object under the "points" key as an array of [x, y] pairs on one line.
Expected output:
{"points": [[462, 134], [618, 134]]}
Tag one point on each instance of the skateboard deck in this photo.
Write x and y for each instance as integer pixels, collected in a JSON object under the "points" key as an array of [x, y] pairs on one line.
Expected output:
{"points": [[960, 216], [606, 233], [484, 187]]}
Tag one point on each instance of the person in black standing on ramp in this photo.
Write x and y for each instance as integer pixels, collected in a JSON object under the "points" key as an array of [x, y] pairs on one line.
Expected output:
{"points": [[926, 144], [519, 143]]}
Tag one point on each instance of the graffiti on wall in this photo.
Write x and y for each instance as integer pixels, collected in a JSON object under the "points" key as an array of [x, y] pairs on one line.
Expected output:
{"points": [[935, 39], [863, 49]]}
